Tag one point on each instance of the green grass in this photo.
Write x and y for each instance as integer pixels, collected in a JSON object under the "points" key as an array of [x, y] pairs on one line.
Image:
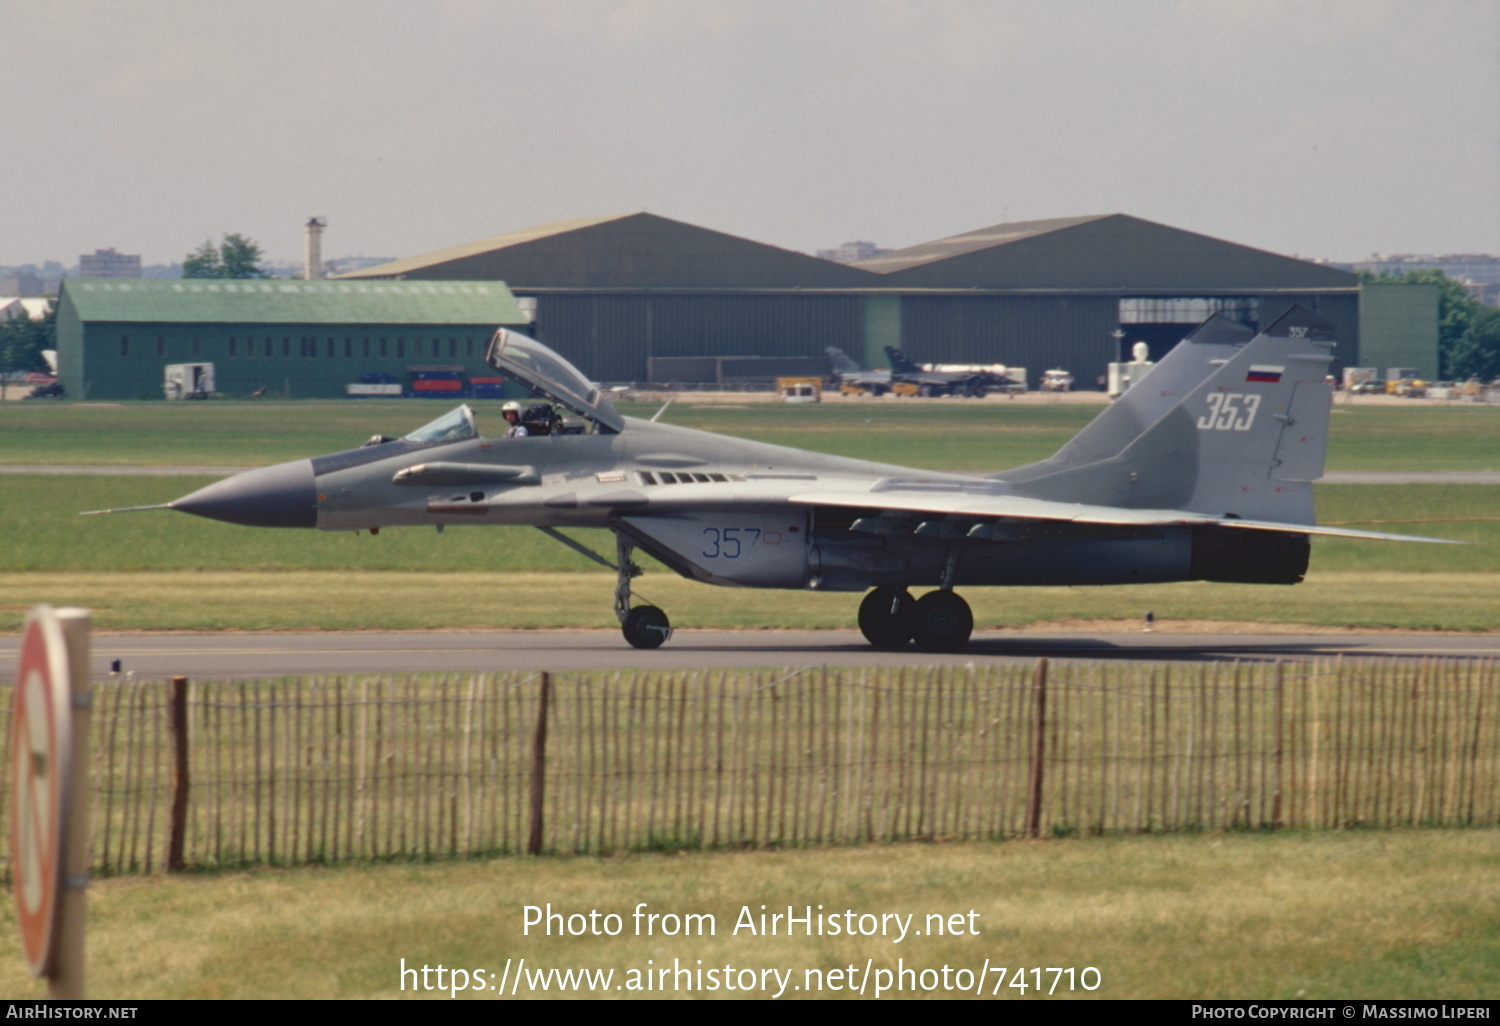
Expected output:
{"points": [[933, 434], [400, 600], [43, 532], [1337, 915]]}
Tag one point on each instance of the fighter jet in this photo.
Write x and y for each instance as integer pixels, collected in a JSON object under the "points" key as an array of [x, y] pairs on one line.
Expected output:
{"points": [[916, 380], [1202, 472], [854, 378], [945, 379]]}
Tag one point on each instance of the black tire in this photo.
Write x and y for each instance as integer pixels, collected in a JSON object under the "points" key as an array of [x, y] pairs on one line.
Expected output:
{"points": [[876, 623], [646, 627], [941, 622]]}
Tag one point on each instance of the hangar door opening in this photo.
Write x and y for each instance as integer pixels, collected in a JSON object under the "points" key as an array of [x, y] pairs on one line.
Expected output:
{"points": [[1162, 322]]}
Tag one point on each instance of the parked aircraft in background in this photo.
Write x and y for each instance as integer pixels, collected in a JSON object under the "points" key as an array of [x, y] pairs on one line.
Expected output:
{"points": [[854, 378], [909, 378], [947, 379], [1202, 473]]}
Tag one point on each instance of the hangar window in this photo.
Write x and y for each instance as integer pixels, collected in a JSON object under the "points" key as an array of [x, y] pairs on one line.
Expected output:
{"points": [[234, 346], [416, 349], [286, 347], [161, 347], [400, 348], [331, 349], [1188, 309], [124, 345], [197, 348], [452, 348], [383, 352], [348, 348]]}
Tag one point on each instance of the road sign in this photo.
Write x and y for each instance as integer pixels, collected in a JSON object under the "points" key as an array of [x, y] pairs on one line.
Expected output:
{"points": [[41, 750]]}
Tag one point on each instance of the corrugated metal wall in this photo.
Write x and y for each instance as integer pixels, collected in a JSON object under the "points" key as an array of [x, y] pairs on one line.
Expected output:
{"points": [[610, 337], [1035, 332], [301, 361]]}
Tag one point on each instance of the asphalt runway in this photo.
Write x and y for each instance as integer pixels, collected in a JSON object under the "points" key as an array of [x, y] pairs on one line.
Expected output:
{"points": [[229, 655]]}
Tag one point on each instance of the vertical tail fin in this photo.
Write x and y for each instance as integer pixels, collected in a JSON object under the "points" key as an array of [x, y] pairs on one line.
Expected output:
{"points": [[900, 362], [841, 361], [1184, 368], [1245, 441]]}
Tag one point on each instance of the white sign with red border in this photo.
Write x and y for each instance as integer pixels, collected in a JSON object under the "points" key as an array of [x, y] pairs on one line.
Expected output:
{"points": [[41, 747]]}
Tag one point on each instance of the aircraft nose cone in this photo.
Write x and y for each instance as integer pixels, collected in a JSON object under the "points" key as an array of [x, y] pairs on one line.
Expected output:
{"points": [[279, 496]]}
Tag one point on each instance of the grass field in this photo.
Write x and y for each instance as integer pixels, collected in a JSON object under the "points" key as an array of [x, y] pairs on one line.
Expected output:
{"points": [[401, 600], [934, 434], [1336, 915], [169, 571]]}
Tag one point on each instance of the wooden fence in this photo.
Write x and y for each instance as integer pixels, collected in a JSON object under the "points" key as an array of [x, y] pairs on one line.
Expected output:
{"points": [[326, 769]]}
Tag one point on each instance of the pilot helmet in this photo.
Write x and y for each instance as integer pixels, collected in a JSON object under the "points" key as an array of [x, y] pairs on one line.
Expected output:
{"points": [[511, 407]]}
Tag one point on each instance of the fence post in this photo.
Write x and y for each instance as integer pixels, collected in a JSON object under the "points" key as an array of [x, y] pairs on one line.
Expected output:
{"points": [[539, 767], [1038, 740], [181, 782], [1278, 746]]}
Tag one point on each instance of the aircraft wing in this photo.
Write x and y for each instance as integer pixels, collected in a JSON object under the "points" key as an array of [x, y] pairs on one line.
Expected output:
{"points": [[1014, 507]]}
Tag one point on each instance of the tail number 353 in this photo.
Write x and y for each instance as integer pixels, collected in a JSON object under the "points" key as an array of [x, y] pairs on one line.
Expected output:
{"points": [[1229, 411]]}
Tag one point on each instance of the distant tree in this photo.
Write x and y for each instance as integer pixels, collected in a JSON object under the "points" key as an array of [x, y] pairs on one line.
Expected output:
{"points": [[203, 262], [235, 257], [241, 258], [1476, 354], [22, 341]]}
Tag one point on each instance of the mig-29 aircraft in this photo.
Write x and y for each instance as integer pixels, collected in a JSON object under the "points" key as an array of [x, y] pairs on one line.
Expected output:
{"points": [[1202, 471]]}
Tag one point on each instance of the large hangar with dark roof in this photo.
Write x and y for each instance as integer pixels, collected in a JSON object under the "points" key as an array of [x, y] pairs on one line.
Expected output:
{"points": [[611, 293]]}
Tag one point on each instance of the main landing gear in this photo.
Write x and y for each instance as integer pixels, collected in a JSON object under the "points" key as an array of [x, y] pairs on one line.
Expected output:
{"points": [[939, 621]]}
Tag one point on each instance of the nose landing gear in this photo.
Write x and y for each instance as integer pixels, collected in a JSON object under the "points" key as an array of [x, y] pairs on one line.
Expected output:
{"points": [[643, 626]]}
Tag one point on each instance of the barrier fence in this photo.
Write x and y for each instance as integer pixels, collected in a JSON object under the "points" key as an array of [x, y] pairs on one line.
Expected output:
{"points": [[203, 774]]}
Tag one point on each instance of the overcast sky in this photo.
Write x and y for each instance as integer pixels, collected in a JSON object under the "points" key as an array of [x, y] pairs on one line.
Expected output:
{"points": [[1320, 128]]}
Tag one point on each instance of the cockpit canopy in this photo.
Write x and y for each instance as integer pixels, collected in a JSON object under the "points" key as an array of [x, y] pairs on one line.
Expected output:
{"points": [[453, 426], [528, 362]]}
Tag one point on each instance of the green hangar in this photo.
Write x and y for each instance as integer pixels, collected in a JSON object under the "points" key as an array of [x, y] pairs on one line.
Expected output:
{"points": [[294, 339], [610, 293]]}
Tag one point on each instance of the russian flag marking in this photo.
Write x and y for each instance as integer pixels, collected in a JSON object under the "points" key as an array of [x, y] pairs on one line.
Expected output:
{"points": [[1265, 373]]}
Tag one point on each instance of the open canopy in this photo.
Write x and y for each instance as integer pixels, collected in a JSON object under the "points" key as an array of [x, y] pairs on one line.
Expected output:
{"points": [[527, 361]]}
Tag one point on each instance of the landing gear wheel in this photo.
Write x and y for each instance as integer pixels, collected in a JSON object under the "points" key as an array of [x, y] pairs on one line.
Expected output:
{"points": [[941, 622], [882, 627], [646, 627]]}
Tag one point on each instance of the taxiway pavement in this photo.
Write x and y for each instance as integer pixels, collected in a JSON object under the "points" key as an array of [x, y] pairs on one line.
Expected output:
{"points": [[218, 656]]}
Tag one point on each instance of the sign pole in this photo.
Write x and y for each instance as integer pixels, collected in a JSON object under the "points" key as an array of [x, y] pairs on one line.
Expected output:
{"points": [[67, 980], [49, 840]]}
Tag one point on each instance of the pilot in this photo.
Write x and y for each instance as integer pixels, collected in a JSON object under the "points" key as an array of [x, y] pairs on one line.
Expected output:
{"points": [[512, 413]]}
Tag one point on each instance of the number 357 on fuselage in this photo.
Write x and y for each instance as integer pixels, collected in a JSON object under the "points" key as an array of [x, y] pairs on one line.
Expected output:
{"points": [[1202, 471]]}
